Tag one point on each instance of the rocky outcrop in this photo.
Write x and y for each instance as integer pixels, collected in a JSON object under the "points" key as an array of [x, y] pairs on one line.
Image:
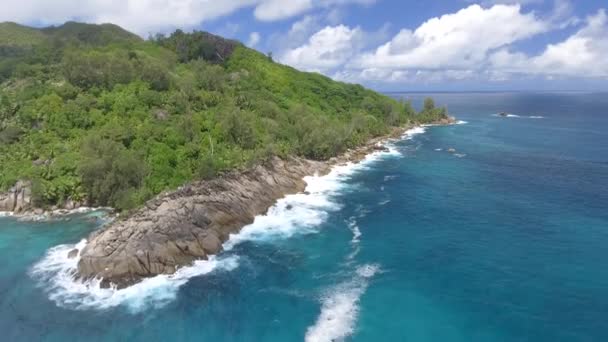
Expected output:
{"points": [[189, 224], [17, 199], [175, 229]]}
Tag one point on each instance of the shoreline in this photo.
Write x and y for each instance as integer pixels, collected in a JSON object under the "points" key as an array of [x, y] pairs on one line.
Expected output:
{"points": [[194, 223], [40, 215]]}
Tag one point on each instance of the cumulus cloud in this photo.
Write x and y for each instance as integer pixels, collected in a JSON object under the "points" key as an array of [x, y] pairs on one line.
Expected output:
{"points": [[458, 40], [140, 16], [254, 39], [584, 54], [330, 47], [271, 10], [151, 16], [476, 43], [326, 49]]}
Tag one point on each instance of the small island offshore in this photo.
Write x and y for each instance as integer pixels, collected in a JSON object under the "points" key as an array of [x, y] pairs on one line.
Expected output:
{"points": [[187, 136]]}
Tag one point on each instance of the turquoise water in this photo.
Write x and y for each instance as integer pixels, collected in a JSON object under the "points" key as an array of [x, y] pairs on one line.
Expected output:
{"points": [[504, 240]]}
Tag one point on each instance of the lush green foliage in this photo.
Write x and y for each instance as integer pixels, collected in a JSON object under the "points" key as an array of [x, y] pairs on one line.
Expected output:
{"points": [[93, 112]]}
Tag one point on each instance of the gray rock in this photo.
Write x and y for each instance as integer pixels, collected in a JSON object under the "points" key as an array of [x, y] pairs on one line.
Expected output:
{"points": [[73, 253], [191, 223], [17, 199]]}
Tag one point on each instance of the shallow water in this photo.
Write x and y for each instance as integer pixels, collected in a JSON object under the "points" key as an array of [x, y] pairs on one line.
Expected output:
{"points": [[504, 240]]}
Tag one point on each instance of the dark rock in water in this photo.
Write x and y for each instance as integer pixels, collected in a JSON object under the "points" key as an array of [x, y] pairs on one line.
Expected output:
{"points": [[503, 114], [381, 148], [306, 192], [289, 207], [189, 224], [73, 253]]}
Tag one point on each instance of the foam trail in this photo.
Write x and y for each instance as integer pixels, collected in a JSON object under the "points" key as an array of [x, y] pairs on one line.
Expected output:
{"points": [[461, 122], [294, 214], [354, 228], [340, 307]]}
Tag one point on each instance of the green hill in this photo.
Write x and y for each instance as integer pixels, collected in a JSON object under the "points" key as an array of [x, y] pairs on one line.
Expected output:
{"points": [[12, 34], [93, 112]]}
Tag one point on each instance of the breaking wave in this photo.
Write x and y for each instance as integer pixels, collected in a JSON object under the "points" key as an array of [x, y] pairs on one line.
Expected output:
{"points": [[294, 214], [56, 273]]}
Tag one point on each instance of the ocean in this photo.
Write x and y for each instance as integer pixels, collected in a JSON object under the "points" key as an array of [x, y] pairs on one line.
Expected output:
{"points": [[503, 238]]}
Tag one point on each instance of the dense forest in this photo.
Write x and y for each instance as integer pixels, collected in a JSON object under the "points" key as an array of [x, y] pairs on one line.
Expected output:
{"points": [[95, 113]]}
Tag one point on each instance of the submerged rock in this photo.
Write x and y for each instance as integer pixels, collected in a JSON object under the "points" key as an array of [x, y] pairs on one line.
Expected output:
{"points": [[381, 148], [189, 224], [73, 253]]}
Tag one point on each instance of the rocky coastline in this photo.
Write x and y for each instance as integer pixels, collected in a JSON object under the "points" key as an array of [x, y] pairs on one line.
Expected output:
{"points": [[191, 223], [17, 202]]}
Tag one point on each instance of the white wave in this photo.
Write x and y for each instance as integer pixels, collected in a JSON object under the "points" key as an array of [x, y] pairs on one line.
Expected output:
{"points": [[507, 115], [385, 202], [6, 213], [340, 307], [56, 274], [303, 213], [390, 177], [410, 133], [294, 214], [438, 149], [519, 116], [461, 122]]}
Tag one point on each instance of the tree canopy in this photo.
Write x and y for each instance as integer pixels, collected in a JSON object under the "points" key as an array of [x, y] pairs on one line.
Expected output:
{"points": [[93, 112]]}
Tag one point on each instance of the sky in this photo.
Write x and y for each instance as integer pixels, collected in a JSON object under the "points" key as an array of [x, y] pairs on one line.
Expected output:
{"points": [[388, 45]]}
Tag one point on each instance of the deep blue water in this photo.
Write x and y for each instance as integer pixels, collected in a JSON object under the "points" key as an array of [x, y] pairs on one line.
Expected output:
{"points": [[505, 240]]}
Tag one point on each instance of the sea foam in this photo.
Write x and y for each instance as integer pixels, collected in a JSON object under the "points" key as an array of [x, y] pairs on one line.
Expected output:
{"points": [[56, 273], [412, 132], [340, 307], [294, 214]]}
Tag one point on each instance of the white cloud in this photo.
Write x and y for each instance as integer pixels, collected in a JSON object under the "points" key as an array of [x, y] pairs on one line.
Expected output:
{"points": [[326, 49], [473, 44], [459, 40], [584, 54], [151, 16], [272, 10], [330, 47], [508, 2], [140, 16], [254, 39]]}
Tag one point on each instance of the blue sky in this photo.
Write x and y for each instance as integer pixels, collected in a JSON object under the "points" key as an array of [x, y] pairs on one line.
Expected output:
{"points": [[384, 44]]}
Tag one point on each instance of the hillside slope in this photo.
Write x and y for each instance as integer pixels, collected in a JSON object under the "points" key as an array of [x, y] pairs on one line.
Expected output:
{"points": [[95, 115]]}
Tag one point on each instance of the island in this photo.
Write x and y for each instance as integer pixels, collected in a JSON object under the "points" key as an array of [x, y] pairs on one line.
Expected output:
{"points": [[187, 136]]}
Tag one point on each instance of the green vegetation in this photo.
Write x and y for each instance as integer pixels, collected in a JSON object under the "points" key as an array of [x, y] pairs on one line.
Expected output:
{"points": [[95, 113]]}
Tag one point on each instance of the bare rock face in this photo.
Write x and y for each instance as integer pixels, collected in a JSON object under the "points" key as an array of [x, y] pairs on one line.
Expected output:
{"points": [[189, 224], [18, 198]]}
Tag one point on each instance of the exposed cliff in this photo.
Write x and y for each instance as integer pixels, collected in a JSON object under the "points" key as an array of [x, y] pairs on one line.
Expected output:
{"points": [[18, 198]]}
